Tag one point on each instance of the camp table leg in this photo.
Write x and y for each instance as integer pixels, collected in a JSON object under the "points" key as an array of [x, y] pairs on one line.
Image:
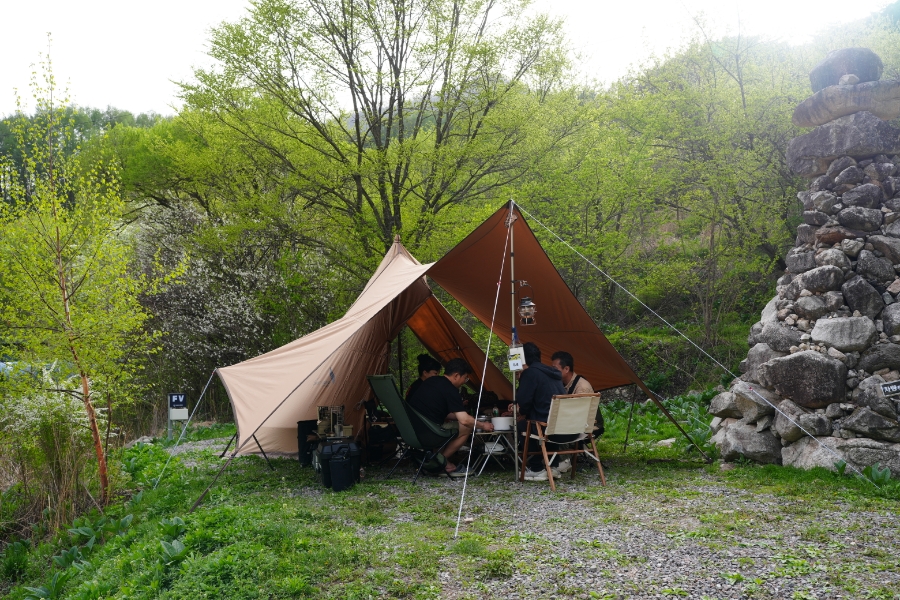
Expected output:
{"points": [[258, 445]]}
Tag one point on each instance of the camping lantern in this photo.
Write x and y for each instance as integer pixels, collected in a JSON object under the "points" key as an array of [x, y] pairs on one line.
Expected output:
{"points": [[527, 310]]}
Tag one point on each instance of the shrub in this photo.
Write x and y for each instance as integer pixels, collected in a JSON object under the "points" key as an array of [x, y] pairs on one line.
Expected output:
{"points": [[45, 444]]}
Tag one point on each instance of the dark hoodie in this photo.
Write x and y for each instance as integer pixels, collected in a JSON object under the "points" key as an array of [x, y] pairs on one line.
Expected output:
{"points": [[537, 384]]}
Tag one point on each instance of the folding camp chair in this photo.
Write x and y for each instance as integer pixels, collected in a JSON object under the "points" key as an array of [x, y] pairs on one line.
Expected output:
{"points": [[569, 415], [416, 432]]}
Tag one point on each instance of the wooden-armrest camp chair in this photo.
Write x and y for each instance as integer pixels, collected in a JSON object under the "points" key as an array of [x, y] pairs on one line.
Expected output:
{"points": [[416, 432], [572, 414]]}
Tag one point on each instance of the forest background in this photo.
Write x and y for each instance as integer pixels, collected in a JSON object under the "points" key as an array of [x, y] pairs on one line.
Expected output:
{"points": [[139, 253]]}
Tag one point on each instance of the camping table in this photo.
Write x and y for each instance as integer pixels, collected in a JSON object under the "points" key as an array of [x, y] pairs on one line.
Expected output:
{"points": [[490, 439]]}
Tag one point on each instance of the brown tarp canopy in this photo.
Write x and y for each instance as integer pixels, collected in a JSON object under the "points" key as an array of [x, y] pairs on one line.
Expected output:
{"points": [[271, 392], [469, 273]]}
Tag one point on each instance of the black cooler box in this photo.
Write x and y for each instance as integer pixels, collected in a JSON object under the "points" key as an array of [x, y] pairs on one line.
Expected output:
{"points": [[337, 463]]}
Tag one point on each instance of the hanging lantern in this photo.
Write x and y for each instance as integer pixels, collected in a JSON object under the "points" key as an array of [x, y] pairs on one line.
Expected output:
{"points": [[527, 310]]}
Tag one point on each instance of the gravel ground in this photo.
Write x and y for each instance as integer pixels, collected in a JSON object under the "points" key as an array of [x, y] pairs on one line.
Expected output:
{"points": [[662, 532], [698, 539]]}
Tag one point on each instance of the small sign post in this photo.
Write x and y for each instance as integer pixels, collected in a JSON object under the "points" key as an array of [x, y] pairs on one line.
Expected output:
{"points": [[516, 358], [891, 388], [177, 409]]}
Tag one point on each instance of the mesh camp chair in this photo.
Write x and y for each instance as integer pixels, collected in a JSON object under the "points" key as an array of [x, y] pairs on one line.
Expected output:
{"points": [[416, 432], [571, 414]]}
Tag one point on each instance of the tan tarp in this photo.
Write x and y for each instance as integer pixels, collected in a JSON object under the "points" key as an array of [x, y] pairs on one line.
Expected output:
{"points": [[271, 392], [469, 273]]}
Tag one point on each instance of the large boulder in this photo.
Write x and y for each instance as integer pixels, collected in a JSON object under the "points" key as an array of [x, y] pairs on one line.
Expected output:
{"points": [[815, 424], [882, 356], [754, 401], [889, 246], [822, 279], [811, 307], [870, 424], [847, 334], [851, 175], [862, 62], [881, 98], [778, 337], [806, 234], [808, 378], [857, 217], [823, 201], [800, 261], [867, 195], [873, 268], [769, 311], [742, 439], [723, 405], [835, 234], [834, 257], [868, 393], [786, 424], [859, 134], [838, 166], [808, 453], [860, 295], [758, 354], [890, 317]]}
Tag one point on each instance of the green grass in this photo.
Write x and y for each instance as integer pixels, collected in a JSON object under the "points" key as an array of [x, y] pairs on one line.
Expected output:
{"points": [[264, 534]]}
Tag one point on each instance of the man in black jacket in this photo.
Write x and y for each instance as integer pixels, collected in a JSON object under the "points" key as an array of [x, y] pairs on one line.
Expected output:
{"points": [[538, 383]]}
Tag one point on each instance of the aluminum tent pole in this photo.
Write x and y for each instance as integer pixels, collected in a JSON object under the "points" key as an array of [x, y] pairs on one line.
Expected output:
{"points": [[511, 220]]}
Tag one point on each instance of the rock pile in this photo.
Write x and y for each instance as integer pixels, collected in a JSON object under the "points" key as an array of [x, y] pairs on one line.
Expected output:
{"points": [[831, 336]]}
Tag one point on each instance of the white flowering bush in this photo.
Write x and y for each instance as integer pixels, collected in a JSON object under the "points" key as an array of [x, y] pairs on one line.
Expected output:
{"points": [[45, 443]]}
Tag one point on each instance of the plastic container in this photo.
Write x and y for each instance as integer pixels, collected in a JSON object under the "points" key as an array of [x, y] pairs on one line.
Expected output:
{"points": [[326, 451], [304, 446], [502, 423], [342, 471]]}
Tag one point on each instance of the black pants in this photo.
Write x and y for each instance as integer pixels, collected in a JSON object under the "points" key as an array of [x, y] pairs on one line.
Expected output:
{"points": [[536, 461]]}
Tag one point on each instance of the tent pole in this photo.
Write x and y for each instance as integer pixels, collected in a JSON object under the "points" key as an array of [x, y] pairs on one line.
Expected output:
{"points": [[206, 491], [258, 445], [512, 300], [630, 413], [400, 357], [228, 446]]}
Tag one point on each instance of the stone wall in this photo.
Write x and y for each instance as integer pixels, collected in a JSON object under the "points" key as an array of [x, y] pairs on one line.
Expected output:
{"points": [[832, 334]]}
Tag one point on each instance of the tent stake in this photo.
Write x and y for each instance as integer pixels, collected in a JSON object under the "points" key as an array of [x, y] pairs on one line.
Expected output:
{"points": [[206, 491]]}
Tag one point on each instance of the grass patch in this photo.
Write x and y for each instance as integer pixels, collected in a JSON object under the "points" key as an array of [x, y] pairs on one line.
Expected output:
{"points": [[264, 534]]}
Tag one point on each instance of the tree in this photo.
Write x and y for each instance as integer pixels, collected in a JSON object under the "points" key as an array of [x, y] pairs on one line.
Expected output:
{"points": [[382, 112], [66, 293]]}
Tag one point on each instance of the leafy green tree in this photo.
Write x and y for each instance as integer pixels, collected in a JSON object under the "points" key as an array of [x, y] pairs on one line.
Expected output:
{"points": [[66, 292], [381, 114]]}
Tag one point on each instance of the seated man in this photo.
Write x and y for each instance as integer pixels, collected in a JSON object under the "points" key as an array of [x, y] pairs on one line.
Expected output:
{"points": [[438, 399], [575, 384], [428, 367], [538, 383]]}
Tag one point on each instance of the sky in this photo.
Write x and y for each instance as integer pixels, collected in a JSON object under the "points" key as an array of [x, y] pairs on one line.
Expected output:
{"points": [[127, 54]]}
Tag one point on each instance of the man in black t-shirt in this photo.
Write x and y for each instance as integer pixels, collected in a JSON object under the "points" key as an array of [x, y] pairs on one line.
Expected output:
{"points": [[438, 400], [428, 367]]}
